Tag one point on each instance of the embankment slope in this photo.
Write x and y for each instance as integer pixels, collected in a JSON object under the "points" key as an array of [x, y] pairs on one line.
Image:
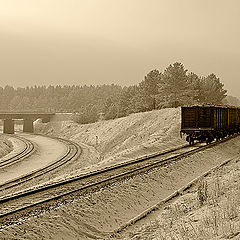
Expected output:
{"points": [[122, 138]]}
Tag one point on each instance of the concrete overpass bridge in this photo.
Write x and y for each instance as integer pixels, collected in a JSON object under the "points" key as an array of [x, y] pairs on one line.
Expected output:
{"points": [[28, 119]]}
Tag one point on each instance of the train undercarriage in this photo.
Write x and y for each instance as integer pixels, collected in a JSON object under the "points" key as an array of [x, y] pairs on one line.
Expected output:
{"points": [[207, 136]]}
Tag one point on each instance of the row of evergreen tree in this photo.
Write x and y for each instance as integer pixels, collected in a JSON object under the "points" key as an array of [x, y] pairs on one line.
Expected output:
{"points": [[171, 88]]}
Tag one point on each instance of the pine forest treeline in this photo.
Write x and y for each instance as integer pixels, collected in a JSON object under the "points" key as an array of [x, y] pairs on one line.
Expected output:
{"points": [[171, 88]]}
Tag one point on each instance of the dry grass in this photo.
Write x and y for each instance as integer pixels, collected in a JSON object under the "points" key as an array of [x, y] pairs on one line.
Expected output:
{"points": [[210, 211]]}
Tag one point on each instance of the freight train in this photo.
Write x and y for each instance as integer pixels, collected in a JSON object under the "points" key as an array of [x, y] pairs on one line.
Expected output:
{"points": [[209, 123]]}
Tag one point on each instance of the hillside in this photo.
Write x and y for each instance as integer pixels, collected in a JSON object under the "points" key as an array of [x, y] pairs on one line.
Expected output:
{"points": [[122, 138]]}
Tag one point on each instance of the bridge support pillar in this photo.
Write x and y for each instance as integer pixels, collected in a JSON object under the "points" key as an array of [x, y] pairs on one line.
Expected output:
{"points": [[8, 126], [28, 125]]}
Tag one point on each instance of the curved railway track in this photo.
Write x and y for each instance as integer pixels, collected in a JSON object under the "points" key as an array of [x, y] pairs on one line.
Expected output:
{"points": [[21, 204], [73, 151], [29, 149]]}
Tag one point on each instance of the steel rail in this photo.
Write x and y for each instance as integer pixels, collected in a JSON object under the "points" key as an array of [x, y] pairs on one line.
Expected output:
{"points": [[168, 199], [84, 176], [73, 150], [26, 152]]}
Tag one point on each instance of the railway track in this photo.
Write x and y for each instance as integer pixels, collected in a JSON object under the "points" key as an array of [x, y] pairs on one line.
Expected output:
{"points": [[160, 205], [35, 200], [29, 149], [73, 151]]}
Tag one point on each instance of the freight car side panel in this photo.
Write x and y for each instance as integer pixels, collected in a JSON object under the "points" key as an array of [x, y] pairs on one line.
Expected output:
{"points": [[216, 118], [224, 118], [189, 117], [204, 117], [220, 118], [197, 117], [232, 118]]}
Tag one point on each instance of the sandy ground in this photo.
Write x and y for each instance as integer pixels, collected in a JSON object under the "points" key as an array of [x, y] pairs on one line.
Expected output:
{"points": [[108, 142], [209, 210], [123, 138], [95, 215], [48, 150], [6, 146]]}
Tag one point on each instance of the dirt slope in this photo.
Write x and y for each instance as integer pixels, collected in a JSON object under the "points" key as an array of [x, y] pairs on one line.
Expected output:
{"points": [[127, 137]]}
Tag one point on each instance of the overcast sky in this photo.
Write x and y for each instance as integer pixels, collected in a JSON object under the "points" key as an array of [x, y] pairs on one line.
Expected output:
{"points": [[69, 42]]}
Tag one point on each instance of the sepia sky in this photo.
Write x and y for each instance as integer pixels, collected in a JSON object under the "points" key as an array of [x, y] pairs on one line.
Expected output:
{"points": [[117, 41]]}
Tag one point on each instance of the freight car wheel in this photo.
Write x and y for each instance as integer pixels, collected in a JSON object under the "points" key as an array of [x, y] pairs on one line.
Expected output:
{"points": [[209, 139], [190, 140]]}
